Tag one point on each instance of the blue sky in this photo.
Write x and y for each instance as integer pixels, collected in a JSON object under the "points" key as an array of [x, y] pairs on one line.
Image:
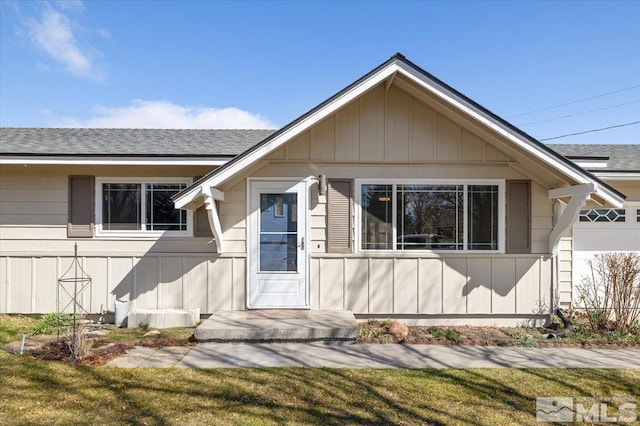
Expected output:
{"points": [[261, 64]]}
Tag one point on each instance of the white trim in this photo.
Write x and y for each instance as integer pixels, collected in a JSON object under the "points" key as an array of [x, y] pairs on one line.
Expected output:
{"points": [[465, 182], [586, 164], [291, 133], [618, 176], [502, 130], [124, 161], [99, 232], [399, 66], [579, 195], [251, 233], [211, 195]]}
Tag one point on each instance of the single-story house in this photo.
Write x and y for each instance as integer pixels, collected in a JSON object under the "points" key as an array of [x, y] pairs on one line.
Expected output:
{"points": [[397, 197]]}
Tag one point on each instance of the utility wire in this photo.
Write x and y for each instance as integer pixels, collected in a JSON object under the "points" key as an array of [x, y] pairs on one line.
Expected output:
{"points": [[579, 113], [575, 102], [591, 131]]}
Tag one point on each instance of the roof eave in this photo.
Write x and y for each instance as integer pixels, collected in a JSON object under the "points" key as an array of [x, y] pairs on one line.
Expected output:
{"points": [[427, 81]]}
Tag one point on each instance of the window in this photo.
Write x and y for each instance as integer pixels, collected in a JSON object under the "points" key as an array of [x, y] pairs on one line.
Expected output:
{"points": [[602, 215], [442, 216], [140, 207]]}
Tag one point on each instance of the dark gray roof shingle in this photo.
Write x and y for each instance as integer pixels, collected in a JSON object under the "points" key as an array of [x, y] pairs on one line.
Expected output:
{"points": [[138, 142], [621, 157]]}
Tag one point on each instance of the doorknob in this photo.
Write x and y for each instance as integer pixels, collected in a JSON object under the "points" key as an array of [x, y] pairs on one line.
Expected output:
{"points": [[301, 245]]}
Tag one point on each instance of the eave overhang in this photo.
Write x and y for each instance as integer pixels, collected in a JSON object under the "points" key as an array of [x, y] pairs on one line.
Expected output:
{"points": [[124, 160], [385, 73]]}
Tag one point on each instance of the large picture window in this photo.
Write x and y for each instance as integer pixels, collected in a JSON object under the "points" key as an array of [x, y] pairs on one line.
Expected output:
{"points": [[140, 207], [408, 216]]}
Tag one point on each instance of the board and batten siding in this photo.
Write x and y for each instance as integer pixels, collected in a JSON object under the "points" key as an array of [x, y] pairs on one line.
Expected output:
{"points": [[180, 272], [30, 284], [455, 285]]}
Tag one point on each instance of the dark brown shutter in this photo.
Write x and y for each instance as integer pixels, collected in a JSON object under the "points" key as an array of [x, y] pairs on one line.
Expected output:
{"points": [[81, 206], [518, 216], [339, 216]]}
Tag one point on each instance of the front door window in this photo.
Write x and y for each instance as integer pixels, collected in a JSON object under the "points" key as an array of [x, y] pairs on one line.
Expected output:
{"points": [[278, 232]]}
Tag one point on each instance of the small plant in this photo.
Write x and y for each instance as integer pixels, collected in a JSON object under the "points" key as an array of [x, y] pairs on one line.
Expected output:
{"points": [[614, 336], [52, 323], [436, 333], [144, 326], [452, 335]]}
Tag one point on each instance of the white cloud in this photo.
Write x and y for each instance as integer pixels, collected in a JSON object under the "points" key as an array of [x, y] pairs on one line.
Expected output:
{"points": [[53, 33], [166, 115]]}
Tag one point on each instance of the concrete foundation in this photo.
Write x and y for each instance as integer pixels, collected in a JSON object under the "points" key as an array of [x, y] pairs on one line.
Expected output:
{"points": [[163, 318]]}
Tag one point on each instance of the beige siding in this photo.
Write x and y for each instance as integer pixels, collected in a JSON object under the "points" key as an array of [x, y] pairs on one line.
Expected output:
{"points": [[516, 285], [565, 261], [29, 284], [386, 133], [389, 126]]}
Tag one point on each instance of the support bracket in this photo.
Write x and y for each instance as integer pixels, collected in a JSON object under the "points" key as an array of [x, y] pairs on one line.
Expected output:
{"points": [[210, 197], [578, 198]]}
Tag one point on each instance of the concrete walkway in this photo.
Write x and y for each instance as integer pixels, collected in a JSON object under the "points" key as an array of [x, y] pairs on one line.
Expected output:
{"points": [[348, 355]]}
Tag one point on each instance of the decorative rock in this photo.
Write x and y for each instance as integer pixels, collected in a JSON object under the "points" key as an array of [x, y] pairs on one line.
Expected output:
{"points": [[398, 329], [152, 333]]}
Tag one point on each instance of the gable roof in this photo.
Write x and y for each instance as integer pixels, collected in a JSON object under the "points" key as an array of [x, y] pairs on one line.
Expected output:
{"points": [[127, 142], [397, 64], [615, 158]]}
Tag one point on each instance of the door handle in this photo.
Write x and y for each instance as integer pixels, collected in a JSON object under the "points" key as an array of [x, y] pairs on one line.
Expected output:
{"points": [[301, 245]]}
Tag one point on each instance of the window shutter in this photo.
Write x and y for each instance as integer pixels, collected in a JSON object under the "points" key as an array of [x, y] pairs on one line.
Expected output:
{"points": [[339, 216], [518, 216], [81, 206]]}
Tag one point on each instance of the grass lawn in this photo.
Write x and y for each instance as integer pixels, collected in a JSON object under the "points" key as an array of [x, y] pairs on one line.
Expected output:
{"points": [[38, 392], [12, 327]]}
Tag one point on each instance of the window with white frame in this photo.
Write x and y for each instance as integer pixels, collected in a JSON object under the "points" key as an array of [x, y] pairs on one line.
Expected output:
{"points": [[426, 216], [140, 207]]}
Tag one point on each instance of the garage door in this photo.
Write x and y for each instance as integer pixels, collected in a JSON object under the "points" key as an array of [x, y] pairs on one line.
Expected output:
{"points": [[604, 230]]}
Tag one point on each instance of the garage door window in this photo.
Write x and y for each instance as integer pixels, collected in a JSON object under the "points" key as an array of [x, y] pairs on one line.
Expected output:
{"points": [[603, 215]]}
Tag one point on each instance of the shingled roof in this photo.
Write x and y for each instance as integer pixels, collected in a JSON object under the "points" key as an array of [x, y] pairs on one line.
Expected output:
{"points": [[619, 158], [127, 142]]}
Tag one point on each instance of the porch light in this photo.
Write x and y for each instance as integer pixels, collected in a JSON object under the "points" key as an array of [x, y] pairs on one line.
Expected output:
{"points": [[322, 185]]}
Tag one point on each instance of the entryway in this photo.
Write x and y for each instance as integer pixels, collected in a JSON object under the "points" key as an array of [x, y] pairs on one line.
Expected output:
{"points": [[278, 244]]}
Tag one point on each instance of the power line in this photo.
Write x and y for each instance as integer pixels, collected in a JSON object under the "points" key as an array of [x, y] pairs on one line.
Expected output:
{"points": [[579, 113], [591, 131], [575, 102]]}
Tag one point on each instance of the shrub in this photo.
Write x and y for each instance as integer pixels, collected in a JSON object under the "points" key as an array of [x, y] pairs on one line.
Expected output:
{"points": [[452, 335], [53, 323], [611, 294]]}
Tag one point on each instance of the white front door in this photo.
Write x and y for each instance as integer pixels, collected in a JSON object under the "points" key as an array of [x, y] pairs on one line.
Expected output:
{"points": [[278, 244]]}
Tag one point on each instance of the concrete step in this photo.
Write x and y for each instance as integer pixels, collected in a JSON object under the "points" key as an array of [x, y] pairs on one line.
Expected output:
{"points": [[277, 325]]}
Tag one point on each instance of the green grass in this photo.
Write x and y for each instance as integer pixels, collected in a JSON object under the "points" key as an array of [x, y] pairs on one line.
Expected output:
{"points": [[37, 392], [12, 327], [122, 335]]}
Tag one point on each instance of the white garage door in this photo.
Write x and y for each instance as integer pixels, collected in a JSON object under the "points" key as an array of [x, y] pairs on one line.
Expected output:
{"points": [[604, 230]]}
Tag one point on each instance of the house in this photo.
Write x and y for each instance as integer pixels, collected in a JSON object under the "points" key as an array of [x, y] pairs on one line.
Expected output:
{"points": [[599, 228], [397, 197]]}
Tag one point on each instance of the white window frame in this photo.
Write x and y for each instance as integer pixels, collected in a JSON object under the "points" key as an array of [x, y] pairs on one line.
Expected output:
{"points": [[139, 233], [394, 225]]}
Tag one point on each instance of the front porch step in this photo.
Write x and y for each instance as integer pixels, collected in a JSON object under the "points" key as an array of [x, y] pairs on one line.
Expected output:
{"points": [[277, 325]]}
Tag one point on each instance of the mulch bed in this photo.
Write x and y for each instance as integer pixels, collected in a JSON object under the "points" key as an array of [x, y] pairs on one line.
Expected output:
{"points": [[378, 332]]}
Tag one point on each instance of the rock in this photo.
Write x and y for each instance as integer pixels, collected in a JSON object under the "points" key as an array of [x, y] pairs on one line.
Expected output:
{"points": [[152, 333], [397, 329]]}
